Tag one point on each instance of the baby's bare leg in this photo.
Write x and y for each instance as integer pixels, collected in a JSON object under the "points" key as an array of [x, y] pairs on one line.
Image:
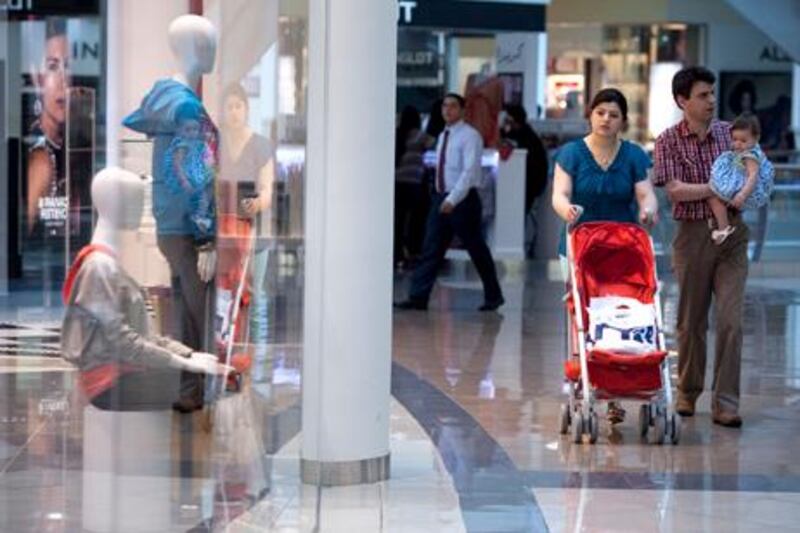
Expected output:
{"points": [[720, 211]]}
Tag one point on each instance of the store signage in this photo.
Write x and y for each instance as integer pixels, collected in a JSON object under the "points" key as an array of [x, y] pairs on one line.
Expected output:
{"points": [[22, 9], [16, 5], [775, 54], [406, 11], [419, 59], [471, 15]]}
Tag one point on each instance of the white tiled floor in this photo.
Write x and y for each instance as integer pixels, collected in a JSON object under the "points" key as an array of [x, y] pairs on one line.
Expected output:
{"points": [[418, 497], [673, 511]]}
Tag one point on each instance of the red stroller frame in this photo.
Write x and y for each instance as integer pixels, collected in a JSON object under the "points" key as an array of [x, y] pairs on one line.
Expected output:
{"points": [[613, 259], [235, 247]]}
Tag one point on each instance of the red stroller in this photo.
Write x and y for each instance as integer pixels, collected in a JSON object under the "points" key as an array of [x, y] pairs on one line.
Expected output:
{"points": [[615, 261]]}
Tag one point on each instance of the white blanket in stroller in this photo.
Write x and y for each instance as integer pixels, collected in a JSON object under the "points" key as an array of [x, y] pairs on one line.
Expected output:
{"points": [[622, 325]]}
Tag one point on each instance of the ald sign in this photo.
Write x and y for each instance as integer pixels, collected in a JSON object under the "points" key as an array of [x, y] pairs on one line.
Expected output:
{"points": [[470, 15]]}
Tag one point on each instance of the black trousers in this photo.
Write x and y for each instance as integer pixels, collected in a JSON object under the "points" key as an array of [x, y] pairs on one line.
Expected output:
{"points": [[410, 211], [194, 305], [465, 222]]}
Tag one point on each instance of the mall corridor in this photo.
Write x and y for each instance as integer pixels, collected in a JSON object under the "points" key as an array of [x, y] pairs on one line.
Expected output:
{"points": [[474, 433]]}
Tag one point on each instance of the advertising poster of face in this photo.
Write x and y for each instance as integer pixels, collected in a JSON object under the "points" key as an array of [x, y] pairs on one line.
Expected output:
{"points": [[61, 74]]}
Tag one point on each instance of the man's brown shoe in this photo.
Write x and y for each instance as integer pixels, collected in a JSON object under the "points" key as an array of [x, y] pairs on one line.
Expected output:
{"points": [[728, 420], [684, 407]]}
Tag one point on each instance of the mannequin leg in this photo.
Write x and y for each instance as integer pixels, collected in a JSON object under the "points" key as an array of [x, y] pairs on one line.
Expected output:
{"points": [[193, 308]]}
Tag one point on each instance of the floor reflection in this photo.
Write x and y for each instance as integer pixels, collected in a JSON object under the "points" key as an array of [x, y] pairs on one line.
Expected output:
{"points": [[504, 374]]}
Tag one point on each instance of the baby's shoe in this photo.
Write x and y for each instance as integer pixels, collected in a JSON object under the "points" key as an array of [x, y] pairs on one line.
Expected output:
{"points": [[719, 235]]}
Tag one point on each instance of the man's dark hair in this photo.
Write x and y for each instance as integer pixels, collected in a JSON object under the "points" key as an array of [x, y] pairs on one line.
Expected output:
{"points": [[610, 96], [749, 122], [460, 99], [684, 80]]}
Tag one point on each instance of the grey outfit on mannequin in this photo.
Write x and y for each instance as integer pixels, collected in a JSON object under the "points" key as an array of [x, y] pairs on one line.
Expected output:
{"points": [[106, 322]]}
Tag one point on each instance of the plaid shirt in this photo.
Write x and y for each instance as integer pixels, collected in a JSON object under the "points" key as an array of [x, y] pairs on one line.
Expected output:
{"points": [[681, 155]]}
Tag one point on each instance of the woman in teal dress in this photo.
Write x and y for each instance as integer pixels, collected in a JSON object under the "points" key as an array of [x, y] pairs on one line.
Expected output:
{"points": [[602, 177]]}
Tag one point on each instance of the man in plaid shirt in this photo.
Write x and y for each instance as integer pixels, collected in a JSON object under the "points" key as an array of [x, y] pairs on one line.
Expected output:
{"points": [[684, 154]]}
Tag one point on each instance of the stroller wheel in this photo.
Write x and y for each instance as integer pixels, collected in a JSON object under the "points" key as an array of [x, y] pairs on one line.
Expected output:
{"points": [[564, 419], [594, 427], [675, 428], [660, 427], [577, 428], [644, 420]]}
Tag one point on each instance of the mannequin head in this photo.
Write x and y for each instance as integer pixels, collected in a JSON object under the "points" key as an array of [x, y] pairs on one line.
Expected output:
{"points": [[193, 40], [118, 195]]}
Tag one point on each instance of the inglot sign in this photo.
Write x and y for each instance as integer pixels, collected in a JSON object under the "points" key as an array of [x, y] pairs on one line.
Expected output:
{"points": [[467, 15]]}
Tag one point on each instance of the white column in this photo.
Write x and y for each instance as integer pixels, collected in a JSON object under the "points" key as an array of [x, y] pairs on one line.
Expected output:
{"points": [[508, 231], [138, 55], [452, 67], [348, 271]]}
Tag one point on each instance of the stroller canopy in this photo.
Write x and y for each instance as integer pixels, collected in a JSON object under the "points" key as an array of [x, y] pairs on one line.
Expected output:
{"points": [[613, 259]]}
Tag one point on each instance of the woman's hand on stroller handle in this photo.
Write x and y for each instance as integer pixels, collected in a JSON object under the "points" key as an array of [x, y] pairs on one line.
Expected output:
{"points": [[574, 214], [648, 218]]}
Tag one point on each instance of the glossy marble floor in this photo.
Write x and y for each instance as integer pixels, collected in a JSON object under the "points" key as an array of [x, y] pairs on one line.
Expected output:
{"points": [[475, 445]]}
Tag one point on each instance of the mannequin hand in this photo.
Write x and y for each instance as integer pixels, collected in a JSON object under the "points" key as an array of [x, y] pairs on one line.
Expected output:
{"points": [[446, 208], [206, 363], [206, 264]]}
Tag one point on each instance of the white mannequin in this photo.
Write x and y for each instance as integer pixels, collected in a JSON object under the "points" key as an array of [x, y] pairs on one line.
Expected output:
{"points": [[193, 40], [118, 196]]}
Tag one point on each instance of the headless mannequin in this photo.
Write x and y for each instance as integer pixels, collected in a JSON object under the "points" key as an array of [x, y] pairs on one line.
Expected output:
{"points": [[118, 196]]}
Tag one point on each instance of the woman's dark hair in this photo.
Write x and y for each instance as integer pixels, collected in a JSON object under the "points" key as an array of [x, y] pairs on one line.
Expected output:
{"points": [[55, 27], [237, 91], [610, 96], [684, 80], [457, 97], [518, 113], [749, 122], [409, 121], [739, 90], [435, 120]]}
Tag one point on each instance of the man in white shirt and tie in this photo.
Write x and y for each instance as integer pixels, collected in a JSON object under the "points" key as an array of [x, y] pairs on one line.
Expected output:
{"points": [[455, 210]]}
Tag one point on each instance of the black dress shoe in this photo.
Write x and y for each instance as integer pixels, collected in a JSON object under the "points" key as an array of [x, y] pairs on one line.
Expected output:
{"points": [[187, 405], [491, 306], [411, 304]]}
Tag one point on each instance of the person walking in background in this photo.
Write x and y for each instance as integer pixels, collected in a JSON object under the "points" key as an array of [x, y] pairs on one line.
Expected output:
{"points": [[600, 176], [247, 176], [409, 221], [684, 155], [455, 209], [537, 166]]}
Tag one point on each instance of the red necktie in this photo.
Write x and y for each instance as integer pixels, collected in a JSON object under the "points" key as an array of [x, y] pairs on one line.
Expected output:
{"points": [[440, 187]]}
